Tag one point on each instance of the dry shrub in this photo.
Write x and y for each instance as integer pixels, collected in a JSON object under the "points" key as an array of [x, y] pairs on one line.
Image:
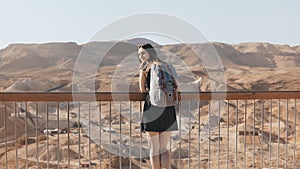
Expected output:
{"points": [[41, 137], [22, 140]]}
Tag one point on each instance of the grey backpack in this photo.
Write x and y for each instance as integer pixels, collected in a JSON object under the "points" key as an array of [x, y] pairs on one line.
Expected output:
{"points": [[163, 85]]}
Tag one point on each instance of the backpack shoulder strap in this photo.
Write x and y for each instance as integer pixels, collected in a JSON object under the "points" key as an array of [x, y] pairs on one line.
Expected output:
{"points": [[162, 76], [172, 75]]}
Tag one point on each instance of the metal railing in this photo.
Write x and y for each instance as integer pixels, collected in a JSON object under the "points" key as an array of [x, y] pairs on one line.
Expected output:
{"points": [[102, 130]]}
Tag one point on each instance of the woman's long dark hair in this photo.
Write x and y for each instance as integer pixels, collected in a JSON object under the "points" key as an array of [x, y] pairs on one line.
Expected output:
{"points": [[149, 48]]}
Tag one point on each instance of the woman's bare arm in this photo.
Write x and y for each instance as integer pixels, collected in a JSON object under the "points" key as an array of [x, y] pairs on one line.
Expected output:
{"points": [[142, 80]]}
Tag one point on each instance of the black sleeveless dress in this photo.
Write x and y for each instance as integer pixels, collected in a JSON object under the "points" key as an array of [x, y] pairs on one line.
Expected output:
{"points": [[155, 118]]}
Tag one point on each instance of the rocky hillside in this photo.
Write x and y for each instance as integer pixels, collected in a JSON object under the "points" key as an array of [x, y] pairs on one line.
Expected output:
{"points": [[246, 66]]}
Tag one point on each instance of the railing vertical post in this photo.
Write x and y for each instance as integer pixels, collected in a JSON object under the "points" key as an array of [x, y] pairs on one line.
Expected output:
{"points": [[130, 133], [286, 126], [140, 117], [16, 146], [79, 134], [120, 136], [68, 116], [262, 134], [189, 137], [58, 128], [227, 151], [179, 149], [109, 148], [253, 134], [89, 131], [295, 132], [5, 141], [47, 128], [199, 135], [100, 112], [278, 133], [219, 128], [36, 132], [209, 113], [245, 131], [236, 133], [26, 137], [270, 133]]}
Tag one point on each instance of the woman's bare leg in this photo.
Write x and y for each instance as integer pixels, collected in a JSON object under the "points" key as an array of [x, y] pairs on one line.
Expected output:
{"points": [[165, 158], [153, 140]]}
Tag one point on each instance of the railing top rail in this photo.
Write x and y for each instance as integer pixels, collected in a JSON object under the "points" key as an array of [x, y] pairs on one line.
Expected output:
{"points": [[137, 96]]}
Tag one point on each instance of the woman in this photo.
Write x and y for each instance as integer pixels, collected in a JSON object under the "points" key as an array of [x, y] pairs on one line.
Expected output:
{"points": [[157, 122]]}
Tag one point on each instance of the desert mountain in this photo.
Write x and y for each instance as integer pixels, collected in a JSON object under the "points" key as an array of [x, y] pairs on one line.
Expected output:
{"points": [[246, 66]]}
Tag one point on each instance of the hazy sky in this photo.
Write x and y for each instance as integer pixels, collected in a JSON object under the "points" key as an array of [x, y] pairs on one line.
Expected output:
{"points": [[231, 21]]}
